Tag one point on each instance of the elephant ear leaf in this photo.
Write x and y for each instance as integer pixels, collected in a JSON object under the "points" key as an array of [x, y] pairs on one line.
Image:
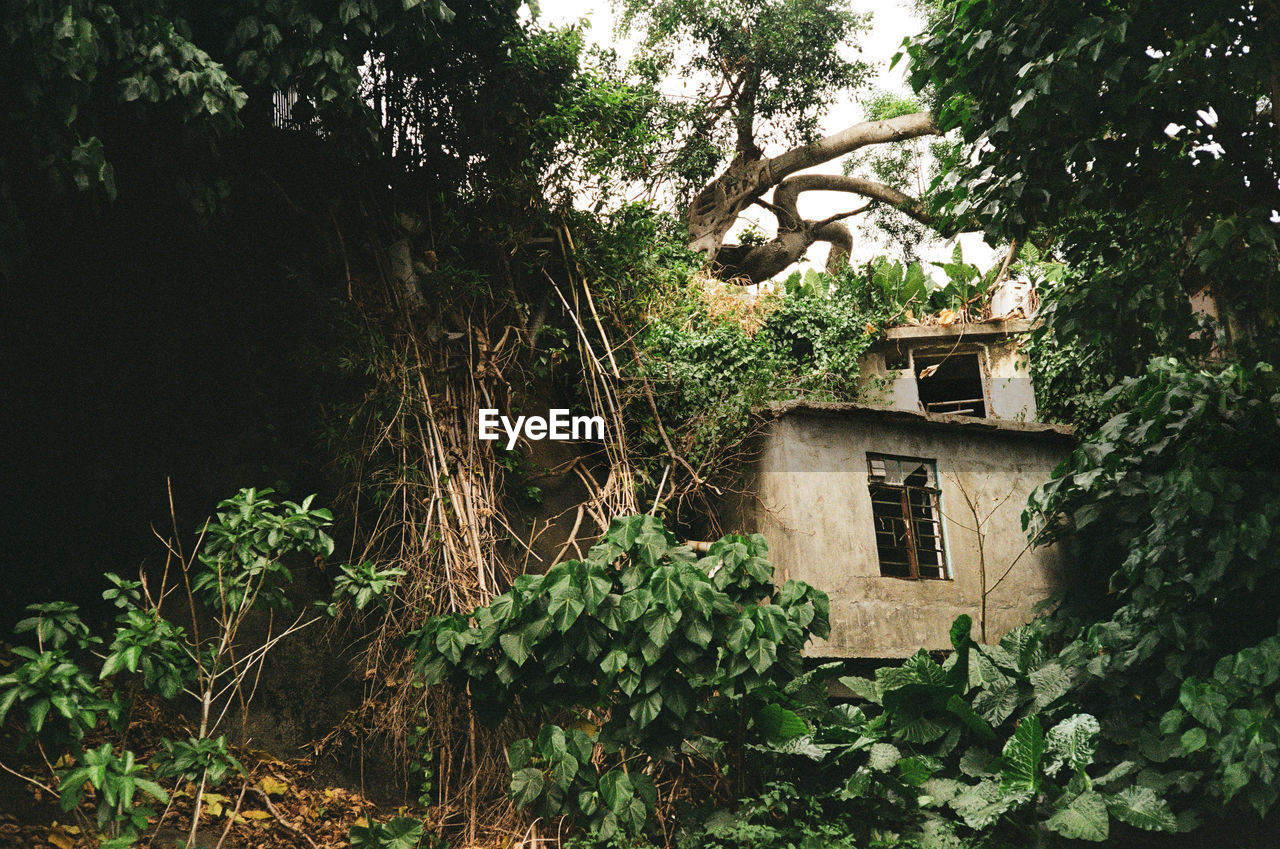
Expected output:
{"points": [[1072, 742], [1023, 757], [1084, 817], [1141, 807]]}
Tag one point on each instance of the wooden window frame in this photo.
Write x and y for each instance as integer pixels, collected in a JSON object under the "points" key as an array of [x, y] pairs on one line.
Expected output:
{"points": [[914, 514]]}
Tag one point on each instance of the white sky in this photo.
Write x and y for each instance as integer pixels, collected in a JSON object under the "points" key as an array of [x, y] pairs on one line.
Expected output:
{"points": [[892, 21]]}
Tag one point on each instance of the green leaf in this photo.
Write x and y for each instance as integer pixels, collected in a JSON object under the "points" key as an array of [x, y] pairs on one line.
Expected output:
{"points": [[634, 603], [623, 531], [1194, 740], [960, 708], [741, 630], [651, 545], [519, 753], [613, 662], [1074, 740], [39, 710], [1023, 757], [526, 786], [516, 646], [563, 769], [646, 709], [883, 757], [616, 790], [1049, 683], [998, 702], [666, 586], [779, 724], [863, 688], [962, 626], [1084, 817], [761, 654], [451, 642], [918, 769], [659, 624], [698, 631], [551, 742], [503, 608], [1140, 806], [565, 607]]}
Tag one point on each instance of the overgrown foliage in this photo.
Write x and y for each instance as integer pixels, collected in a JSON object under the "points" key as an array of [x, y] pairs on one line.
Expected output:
{"points": [[713, 354], [652, 655], [1171, 519], [643, 650], [238, 568], [1140, 138]]}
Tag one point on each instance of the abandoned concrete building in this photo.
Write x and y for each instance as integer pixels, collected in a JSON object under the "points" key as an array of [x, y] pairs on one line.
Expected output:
{"points": [[908, 512]]}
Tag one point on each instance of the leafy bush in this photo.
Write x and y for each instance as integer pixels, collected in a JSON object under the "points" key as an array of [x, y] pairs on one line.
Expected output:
{"points": [[1171, 516], [985, 748], [648, 649], [237, 568]]}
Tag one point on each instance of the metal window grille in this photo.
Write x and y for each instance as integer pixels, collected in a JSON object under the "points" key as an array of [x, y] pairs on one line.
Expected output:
{"points": [[908, 521]]}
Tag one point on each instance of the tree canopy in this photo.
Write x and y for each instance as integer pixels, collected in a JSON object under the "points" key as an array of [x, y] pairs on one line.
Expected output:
{"points": [[762, 74], [1140, 139]]}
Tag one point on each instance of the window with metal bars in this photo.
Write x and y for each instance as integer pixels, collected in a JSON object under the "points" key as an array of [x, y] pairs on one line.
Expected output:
{"points": [[908, 521]]}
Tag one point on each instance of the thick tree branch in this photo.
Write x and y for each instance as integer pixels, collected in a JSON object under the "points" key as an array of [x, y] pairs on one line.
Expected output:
{"points": [[850, 139], [790, 189], [796, 234], [717, 207]]}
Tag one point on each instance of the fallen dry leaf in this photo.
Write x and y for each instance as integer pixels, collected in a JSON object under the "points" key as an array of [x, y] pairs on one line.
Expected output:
{"points": [[273, 786], [59, 838]]}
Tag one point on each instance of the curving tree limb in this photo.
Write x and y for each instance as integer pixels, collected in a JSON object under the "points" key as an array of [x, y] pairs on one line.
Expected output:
{"points": [[750, 176], [796, 234]]}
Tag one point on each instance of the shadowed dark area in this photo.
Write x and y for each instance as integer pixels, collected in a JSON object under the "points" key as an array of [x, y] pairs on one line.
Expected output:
{"points": [[139, 347]]}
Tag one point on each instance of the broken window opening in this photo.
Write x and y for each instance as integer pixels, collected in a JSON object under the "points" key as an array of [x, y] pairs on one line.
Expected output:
{"points": [[907, 518], [951, 383]]}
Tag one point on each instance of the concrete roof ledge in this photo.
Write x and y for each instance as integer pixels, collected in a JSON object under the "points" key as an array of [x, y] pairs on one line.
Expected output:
{"points": [[849, 410], [973, 330]]}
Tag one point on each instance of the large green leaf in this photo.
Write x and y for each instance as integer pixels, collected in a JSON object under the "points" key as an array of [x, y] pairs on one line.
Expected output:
{"points": [[565, 606], [616, 790], [651, 545], [1142, 807], [401, 833], [883, 757], [666, 586], [778, 724], [1072, 742], [761, 654], [1083, 817], [660, 623], [516, 645], [634, 603], [526, 786], [960, 708], [613, 662], [1023, 757], [997, 702], [624, 530], [646, 709], [1049, 683]]}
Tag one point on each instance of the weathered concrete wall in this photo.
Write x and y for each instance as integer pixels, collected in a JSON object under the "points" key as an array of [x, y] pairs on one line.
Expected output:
{"points": [[1007, 386], [813, 505]]}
